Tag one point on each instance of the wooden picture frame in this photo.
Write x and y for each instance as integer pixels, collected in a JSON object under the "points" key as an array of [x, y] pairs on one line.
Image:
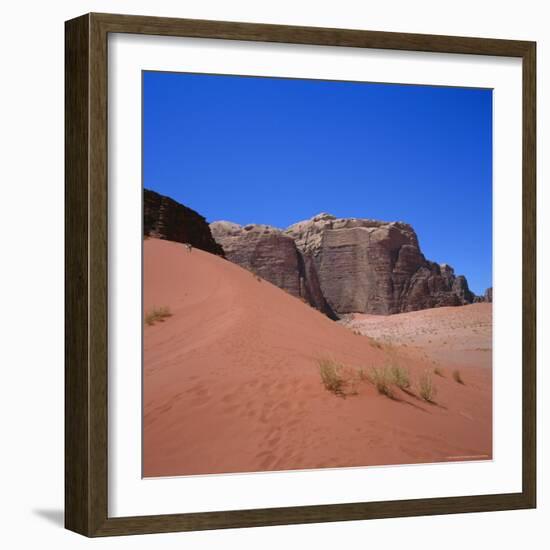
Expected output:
{"points": [[86, 283]]}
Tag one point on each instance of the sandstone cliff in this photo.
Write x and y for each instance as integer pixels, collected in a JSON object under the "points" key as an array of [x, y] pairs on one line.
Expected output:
{"points": [[271, 254], [345, 265], [262, 249], [165, 218]]}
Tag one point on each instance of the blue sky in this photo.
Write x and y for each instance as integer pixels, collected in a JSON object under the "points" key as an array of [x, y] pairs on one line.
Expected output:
{"points": [[277, 151]]}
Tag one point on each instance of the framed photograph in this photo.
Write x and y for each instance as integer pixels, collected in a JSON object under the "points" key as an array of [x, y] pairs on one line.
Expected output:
{"points": [[300, 274]]}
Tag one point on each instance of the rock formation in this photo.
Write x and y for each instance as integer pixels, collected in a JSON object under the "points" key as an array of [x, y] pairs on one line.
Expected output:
{"points": [[271, 254], [487, 296], [338, 265], [345, 265], [165, 218]]}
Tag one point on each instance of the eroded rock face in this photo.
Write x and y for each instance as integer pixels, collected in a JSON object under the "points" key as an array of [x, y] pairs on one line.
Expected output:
{"points": [[346, 265], [263, 250], [271, 254], [164, 218], [376, 267]]}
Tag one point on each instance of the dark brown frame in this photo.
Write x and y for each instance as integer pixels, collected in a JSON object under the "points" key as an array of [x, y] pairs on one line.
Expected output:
{"points": [[86, 274]]}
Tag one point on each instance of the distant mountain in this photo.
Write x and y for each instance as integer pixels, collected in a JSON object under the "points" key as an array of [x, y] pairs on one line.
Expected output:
{"points": [[337, 265], [345, 265], [487, 296]]}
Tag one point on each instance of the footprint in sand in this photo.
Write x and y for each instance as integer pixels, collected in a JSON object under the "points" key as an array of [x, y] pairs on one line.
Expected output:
{"points": [[283, 405]]}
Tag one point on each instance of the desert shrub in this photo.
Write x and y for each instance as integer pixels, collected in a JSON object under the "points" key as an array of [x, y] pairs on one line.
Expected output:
{"points": [[438, 372], [400, 377], [332, 376], [376, 343], [427, 387], [157, 314], [381, 378], [352, 385], [390, 345], [457, 377]]}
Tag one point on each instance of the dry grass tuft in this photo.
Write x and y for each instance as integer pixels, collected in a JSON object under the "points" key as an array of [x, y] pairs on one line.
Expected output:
{"points": [[332, 376], [375, 343], [457, 377], [427, 387], [400, 377], [157, 314], [381, 378], [439, 372]]}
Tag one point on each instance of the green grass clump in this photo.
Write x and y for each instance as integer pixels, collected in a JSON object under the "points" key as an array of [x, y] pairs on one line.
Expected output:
{"points": [[427, 387], [157, 314], [457, 377], [332, 376]]}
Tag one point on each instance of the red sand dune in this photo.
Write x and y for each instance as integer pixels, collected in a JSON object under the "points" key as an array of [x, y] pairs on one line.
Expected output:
{"points": [[232, 384]]}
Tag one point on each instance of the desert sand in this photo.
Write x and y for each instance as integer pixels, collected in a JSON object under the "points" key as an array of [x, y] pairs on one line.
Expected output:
{"points": [[453, 336], [232, 382]]}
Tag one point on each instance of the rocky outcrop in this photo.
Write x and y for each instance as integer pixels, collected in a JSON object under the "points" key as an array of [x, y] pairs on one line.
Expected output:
{"points": [[261, 249], [375, 267], [165, 218], [272, 255], [345, 265], [487, 296]]}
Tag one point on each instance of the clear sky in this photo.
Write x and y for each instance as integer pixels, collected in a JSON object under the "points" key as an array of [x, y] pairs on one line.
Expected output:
{"points": [[277, 151]]}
